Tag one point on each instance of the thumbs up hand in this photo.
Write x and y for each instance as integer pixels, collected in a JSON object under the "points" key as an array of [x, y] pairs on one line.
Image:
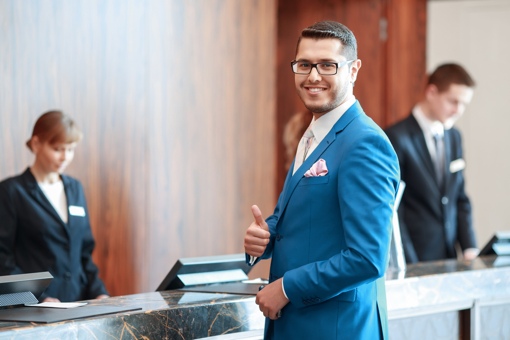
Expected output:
{"points": [[257, 234]]}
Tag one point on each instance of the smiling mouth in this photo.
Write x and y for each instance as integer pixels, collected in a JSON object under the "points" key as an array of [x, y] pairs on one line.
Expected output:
{"points": [[315, 89]]}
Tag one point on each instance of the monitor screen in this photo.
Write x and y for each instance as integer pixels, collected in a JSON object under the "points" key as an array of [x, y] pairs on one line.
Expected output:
{"points": [[23, 288], [499, 244], [193, 271]]}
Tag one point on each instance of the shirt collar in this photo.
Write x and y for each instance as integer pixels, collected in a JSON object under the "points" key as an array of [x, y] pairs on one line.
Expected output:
{"points": [[430, 127]]}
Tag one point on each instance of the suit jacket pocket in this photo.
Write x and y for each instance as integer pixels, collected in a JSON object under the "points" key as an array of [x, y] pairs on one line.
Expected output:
{"points": [[349, 296], [314, 180]]}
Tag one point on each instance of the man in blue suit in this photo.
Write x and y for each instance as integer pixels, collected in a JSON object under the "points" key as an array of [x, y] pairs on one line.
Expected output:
{"points": [[330, 232]]}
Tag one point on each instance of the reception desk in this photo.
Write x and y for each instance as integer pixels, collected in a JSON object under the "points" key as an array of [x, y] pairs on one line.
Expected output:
{"points": [[432, 300], [451, 300], [162, 315]]}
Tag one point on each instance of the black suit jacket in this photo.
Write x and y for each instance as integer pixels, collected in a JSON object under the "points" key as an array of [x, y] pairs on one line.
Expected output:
{"points": [[433, 218], [33, 238]]}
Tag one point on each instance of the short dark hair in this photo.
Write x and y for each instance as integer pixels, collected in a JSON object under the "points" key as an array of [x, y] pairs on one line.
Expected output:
{"points": [[336, 30], [55, 127], [446, 74]]}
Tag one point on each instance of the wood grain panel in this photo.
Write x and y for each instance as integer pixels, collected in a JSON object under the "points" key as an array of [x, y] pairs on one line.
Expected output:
{"points": [[214, 127], [176, 102], [87, 58], [406, 57]]}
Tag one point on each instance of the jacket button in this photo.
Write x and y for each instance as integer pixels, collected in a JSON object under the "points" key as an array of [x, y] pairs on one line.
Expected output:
{"points": [[278, 237], [444, 200], [67, 275]]}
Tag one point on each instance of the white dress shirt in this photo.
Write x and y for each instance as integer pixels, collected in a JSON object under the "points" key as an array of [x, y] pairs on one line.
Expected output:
{"points": [[429, 128]]}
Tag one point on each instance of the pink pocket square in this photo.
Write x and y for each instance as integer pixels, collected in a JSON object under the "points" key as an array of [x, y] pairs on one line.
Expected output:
{"points": [[318, 169]]}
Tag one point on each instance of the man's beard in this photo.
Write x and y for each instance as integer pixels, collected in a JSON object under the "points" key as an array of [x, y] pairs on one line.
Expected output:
{"points": [[325, 108]]}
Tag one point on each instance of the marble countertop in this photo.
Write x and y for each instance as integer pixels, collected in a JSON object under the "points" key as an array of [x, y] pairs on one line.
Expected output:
{"points": [[163, 315], [424, 288], [432, 287]]}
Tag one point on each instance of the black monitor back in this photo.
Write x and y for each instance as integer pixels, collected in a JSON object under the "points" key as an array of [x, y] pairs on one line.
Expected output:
{"points": [[499, 244], [193, 271], [22, 289]]}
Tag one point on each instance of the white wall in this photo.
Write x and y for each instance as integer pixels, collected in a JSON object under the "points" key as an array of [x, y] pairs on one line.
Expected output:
{"points": [[476, 34]]}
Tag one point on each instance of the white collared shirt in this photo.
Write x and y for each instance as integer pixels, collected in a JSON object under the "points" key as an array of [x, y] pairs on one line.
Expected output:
{"points": [[55, 193], [429, 128], [323, 125]]}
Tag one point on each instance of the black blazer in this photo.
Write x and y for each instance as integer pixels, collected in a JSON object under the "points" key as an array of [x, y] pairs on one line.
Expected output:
{"points": [[433, 219], [33, 238]]}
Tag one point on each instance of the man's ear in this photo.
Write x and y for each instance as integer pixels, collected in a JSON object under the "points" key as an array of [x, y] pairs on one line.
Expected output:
{"points": [[431, 91], [356, 65]]}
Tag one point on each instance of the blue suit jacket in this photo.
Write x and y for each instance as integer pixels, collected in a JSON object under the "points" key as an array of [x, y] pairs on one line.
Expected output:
{"points": [[433, 218], [330, 236], [33, 238]]}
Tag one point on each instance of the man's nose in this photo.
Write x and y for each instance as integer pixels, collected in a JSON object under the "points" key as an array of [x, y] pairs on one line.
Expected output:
{"points": [[314, 74]]}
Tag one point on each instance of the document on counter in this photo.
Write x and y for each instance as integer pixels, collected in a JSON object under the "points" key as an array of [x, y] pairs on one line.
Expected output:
{"points": [[257, 281], [58, 304]]}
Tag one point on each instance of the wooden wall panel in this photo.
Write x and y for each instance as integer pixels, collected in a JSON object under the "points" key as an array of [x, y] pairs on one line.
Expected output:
{"points": [[213, 125], [177, 114], [406, 57]]}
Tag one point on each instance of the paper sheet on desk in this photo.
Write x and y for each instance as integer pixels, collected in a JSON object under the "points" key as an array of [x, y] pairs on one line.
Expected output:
{"points": [[59, 304], [256, 281]]}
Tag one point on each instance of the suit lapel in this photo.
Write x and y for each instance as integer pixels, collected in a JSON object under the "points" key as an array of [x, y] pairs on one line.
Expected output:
{"points": [[38, 195], [292, 181], [71, 198], [420, 145]]}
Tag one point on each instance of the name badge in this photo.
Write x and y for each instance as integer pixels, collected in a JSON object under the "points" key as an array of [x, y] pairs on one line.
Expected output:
{"points": [[457, 165], [76, 211]]}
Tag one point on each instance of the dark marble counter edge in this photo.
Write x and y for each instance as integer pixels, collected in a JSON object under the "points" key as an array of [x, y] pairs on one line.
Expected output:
{"points": [[152, 303]]}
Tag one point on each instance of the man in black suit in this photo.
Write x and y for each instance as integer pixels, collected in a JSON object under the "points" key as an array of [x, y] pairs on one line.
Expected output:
{"points": [[435, 212]]}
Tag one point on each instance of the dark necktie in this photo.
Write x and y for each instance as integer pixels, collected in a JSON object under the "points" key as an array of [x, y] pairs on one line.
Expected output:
{"points": [[439, 161]]}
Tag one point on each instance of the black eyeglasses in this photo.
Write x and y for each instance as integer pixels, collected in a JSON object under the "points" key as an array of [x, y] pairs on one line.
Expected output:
{"points": [[324, 68]]}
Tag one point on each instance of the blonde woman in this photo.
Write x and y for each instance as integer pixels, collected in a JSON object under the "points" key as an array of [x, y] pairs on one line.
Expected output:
{"points": [[44, 224]]}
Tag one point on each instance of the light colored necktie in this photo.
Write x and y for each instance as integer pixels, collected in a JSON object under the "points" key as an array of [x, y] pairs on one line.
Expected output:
{"points": [[303, 148], [308, 136], [439, 161]]}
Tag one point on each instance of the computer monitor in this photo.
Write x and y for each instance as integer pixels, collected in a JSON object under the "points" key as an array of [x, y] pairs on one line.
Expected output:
{"points": [[21, 289], [499, 244], [196, 271]]}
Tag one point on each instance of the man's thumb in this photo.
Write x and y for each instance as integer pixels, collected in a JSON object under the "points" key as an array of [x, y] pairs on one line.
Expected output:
{"points": [[257, 215]]}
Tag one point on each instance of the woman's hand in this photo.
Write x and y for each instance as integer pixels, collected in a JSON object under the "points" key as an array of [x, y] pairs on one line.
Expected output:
{"points": [[51, 299]]}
